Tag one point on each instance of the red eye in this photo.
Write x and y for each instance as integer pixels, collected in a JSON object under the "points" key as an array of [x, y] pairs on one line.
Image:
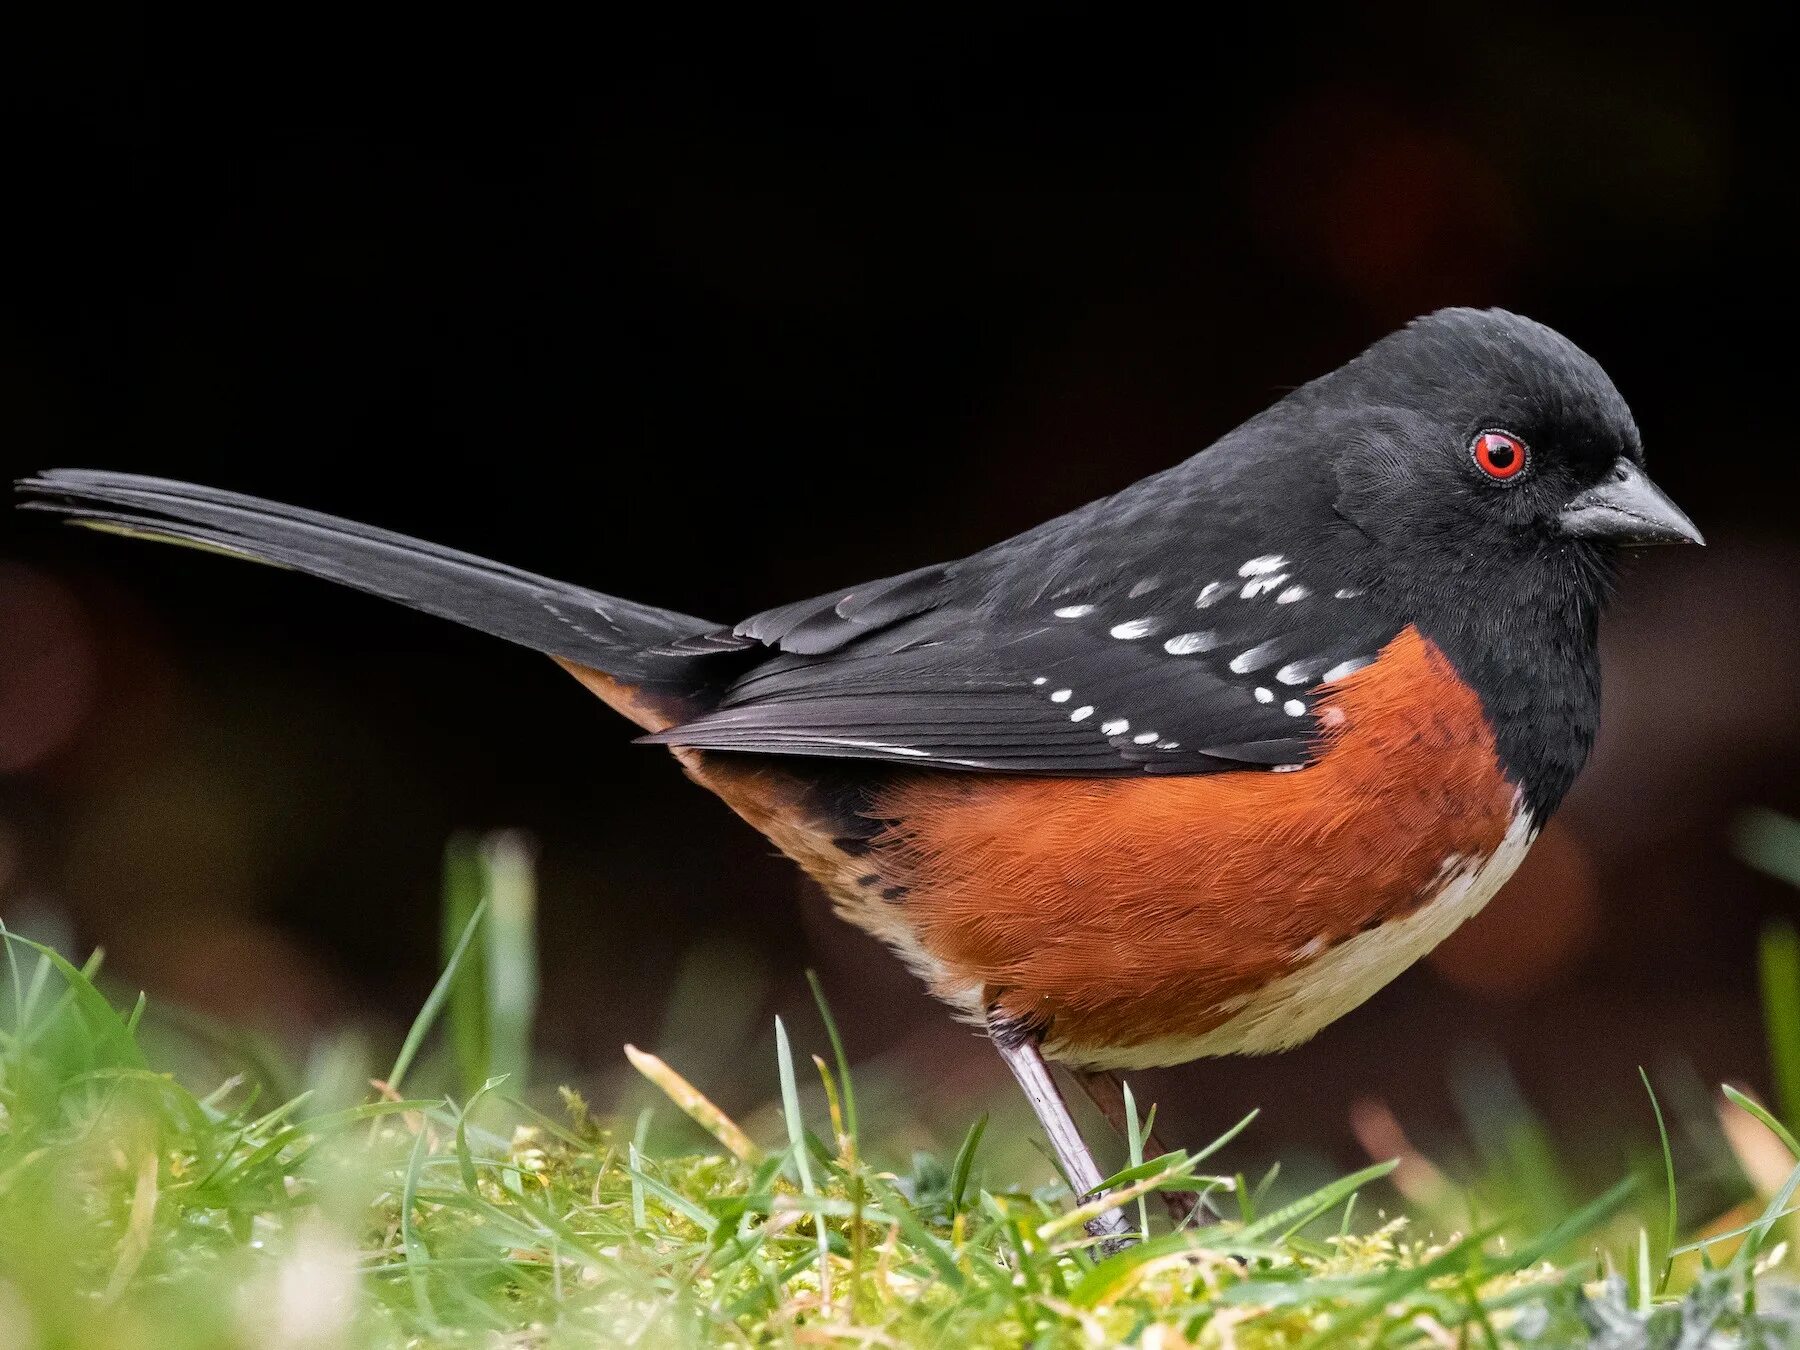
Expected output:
{"points": [[1499, 454]]}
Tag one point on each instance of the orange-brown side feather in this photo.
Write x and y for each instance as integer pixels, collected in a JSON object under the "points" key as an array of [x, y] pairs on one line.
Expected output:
{"points": [[1110, 913], [1117, 912]]}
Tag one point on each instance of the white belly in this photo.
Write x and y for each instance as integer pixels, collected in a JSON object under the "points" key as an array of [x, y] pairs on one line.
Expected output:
{"points": [[1295, 1007]]}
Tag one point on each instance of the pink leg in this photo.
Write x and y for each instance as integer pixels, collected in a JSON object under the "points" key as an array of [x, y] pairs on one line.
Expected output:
{"points": [[1046, 1100]]}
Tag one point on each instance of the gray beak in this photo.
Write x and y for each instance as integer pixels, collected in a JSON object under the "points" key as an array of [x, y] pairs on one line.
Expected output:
{"points": [[1628, 509]]}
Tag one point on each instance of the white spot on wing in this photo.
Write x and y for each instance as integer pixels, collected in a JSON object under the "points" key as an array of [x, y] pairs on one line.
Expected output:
{"points": [[1264, 695], [1186, 644], [1298, 672], [1255, 659], [1144, 737], [1348, 593], [1269, 562], [1062, 695], [1040, 680], [1143, 587], [1210, 595], [1132, 629], [1117, 727], [1294, 708], [1291, 594], [1073, 611], [1343, 668], [1261, 585], [1082, 713]]}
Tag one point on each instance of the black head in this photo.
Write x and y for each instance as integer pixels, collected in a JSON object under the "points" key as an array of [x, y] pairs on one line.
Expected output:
{"points": [[1493, 473], [1474, 439]]}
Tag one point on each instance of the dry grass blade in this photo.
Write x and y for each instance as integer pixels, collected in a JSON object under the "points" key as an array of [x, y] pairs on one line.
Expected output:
{"points": [[696, 1105], [136, 1241]]}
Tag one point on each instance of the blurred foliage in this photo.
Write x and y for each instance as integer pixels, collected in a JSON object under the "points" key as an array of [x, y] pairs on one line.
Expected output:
{"points": [[135, 1210]]}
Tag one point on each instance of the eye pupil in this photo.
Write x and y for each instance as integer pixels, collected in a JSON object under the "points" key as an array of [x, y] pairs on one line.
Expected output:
{"points": [[1499, 454]]}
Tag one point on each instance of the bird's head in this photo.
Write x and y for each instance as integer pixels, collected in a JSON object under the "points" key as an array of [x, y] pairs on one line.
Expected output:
{"points": [[1478, 446]]}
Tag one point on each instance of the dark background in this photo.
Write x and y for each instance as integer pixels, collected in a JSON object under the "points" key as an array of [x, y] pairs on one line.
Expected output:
{"points": [[718, 313]]}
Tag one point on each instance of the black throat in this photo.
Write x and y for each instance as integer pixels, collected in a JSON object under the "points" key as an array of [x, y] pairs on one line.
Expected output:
{"points": [[1534, 662]]}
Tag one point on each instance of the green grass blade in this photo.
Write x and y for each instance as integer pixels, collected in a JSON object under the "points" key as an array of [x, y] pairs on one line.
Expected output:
{"points": [[1134, 1147], [965, 1160], [510, 968], [790, 1109], [634, 1158], [1671, 1229], [1262, 1188], [1224, 1139], [673, 1199], [1565, 1231], [417, 1254], [465, 1162], [837, 1052], [1100, 1283], [18, 985], [1779, 966], [1761, 1112], [1713, 1239], [466, 1005], [113, 1041], [549, 1124], [1304, 1210], [1771, 1215], [434, 1002], [40, 976], [796, 1128], [1176, 1164], [634, 1165]]}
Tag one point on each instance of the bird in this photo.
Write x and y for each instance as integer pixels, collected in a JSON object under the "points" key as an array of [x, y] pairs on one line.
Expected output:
{"points": [[1191, 770]]}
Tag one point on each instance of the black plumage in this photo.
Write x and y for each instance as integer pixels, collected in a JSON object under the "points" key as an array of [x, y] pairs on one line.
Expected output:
{"points": [[1183, 625], [537, 612]]}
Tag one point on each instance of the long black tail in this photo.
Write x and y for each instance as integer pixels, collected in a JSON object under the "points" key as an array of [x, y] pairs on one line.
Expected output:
{"points": [[609, 634]]}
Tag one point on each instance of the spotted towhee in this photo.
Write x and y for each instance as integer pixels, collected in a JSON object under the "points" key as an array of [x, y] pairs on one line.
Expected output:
{"points": [[1192, 770]]}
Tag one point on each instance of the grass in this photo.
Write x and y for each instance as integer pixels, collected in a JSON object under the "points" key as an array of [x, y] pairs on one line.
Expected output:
{"points": [[144, 1203]]}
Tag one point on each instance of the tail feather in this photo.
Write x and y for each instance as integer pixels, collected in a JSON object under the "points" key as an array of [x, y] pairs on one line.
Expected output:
{"points": [[577, 625]]}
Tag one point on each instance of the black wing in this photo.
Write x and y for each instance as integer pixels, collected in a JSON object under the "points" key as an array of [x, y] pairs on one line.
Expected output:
{"points": [[826, 623], [618, 636], [934, 668]]}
